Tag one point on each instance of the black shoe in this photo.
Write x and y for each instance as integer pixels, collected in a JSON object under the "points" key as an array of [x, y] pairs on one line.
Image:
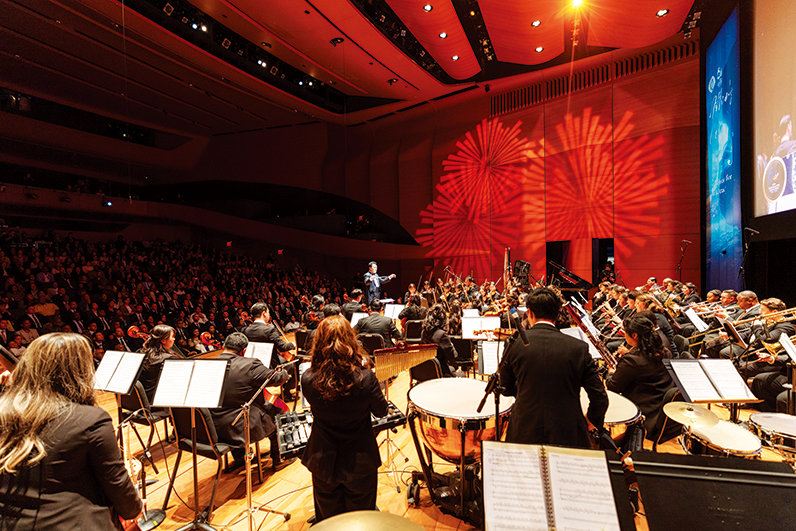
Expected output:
{"points": [[279, 465], [236, 465]]}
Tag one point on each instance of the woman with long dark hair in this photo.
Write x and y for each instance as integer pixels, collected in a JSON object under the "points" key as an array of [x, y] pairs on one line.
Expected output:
{"points": [[435, 330], [157, 348], [640, 375], [341, 452], [60, 465]]}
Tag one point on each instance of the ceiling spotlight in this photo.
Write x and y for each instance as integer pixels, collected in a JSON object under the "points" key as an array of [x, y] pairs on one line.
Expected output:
{"points": [[427, 8], [309, 83], [536, 23], [472, 13], [301, 83], [539, 49], [259, 61], [392, 81], [266, 44], [443, 35], [204, 28], [336, 41], [455, 57], [662, 13], [195, 25]]}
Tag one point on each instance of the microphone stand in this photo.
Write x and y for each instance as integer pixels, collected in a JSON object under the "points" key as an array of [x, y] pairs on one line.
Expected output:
{"points": [[247, 432], [742, 267], [680, 263]]}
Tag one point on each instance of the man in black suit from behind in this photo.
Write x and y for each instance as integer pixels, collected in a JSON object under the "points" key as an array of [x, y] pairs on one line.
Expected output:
{"points": [[546, 377], [245, 376], [373, 281], [263, 331], [376, 323], [354, 305]]}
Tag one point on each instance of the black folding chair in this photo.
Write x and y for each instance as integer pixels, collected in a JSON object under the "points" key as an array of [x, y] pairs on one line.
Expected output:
{"points": [[464, 352], [665, 428], [207, 445], [428, 370], [302, 344], [371, 343], [413, 331], [137, 404]]}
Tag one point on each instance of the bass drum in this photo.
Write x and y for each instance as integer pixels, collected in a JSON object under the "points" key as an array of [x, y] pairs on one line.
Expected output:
{"points": [[724, 439], [776, 430], [447, 405]]}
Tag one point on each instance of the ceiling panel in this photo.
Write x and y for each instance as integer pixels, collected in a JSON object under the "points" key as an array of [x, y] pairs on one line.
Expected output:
{"points": [[514, 36], [623, 24]]}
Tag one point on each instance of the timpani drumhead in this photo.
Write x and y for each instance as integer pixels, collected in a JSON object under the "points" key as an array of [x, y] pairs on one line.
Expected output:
{"points": [[775, 423], [620, 409], [729, 436], [456, 398]]}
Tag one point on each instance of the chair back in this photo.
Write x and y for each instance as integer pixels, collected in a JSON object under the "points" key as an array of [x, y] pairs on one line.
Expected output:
{"points": [[302, 336], [464, 350], [413, 331], [371, 342], [666, 428], [428, 370], [135, 400], [205, 428]]}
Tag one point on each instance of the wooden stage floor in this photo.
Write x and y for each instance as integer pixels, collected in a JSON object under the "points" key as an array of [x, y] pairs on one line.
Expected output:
{"points": [[290, 489]]}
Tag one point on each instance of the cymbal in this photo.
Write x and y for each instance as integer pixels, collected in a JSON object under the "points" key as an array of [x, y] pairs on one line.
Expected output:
{"points": [[690, 414], [365, 521]]}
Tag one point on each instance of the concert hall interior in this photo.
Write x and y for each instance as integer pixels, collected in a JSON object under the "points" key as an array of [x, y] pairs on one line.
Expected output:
{"points": [[173, 172]]}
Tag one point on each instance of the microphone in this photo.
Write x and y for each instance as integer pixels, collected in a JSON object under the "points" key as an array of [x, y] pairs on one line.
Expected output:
{"points": [[687, 241], [750, 229]]}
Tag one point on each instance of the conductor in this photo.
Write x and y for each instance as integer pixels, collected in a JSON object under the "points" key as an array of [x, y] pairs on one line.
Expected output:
{"points": [[373, 282]]}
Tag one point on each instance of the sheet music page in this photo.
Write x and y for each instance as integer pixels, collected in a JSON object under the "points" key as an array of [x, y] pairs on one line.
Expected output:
{"points": [[173, 383], [579, 334], [206, 383], [726, 379], [581, 489], [470, 325], [514, 495], [106, 368], [470, 312], [356, 316], [392, 310], [492, 352], [261, 351], [490, 323], [695, 382], [700, 325], [787, 344], [123, 378]]}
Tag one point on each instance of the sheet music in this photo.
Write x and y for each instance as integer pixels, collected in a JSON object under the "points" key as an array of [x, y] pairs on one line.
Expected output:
{"points": [[581, 489], [106, 368], [206, 383], [356, 316], [695, 382], [173, 383], [787, 344], [261, 351], [490, 323], [392, 310], [471, 324], [126, 373], [491, 352], [514, 495], [470, 312], [724, 376], [700, 325], [577, 333]]}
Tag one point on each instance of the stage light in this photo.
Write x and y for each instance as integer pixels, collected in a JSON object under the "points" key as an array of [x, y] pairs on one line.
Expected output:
{"points": [[392, 81], [539, 49], [443, 35], [427, 8], [195, 25], [301, 83], [662, 13], [455, 57], [309, 83], [204, 28], [226, 43], [337, 40], [536, 23], [168, 9], [577, 3]]}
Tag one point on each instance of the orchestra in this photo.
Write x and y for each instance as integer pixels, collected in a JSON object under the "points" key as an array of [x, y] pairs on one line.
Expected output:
{"points": [[633, 331]]}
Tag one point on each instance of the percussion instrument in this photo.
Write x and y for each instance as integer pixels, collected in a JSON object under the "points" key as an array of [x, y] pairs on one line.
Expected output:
{"points": [[391, 362], [724, 439], [293, 429], [447, 406], [776, 430], [621, 413], [365, 521], [689, 414]]}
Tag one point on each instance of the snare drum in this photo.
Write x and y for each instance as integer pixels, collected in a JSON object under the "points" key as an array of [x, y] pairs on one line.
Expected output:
{"points": [[446, 404], [776, 430], [621, 413], [724, 439]]}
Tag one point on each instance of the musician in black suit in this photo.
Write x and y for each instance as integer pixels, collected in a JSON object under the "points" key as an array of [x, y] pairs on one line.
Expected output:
{"points": [[354, 305], [60, 464], [376, 323], [640, 375], [245, 376], [262, 331], [341, 452], [546, 377], [413, 311], [373, 282], [762, 331], [158, 348]]}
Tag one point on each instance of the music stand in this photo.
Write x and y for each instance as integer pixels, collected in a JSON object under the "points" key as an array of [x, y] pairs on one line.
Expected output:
{"points": [[192, 384]]}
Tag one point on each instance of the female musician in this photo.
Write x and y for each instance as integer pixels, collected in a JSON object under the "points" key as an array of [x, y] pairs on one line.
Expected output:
{"points": [[640, 375], [645, 301], [341, 451], [314, 313], [60, 466], [775, 327], [157, 348], [435, 331], [455, 319]]}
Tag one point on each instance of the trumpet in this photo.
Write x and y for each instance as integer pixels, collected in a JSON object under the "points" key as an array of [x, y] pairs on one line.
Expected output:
{"points": [[782, 315]]}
